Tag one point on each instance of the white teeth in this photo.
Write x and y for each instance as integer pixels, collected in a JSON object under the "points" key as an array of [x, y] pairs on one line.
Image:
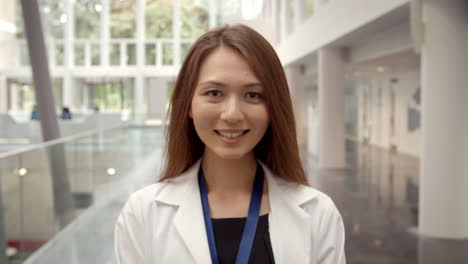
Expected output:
{"points": [[231, 135]]}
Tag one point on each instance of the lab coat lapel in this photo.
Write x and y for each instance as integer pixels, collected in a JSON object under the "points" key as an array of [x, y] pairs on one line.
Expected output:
{"points": [[290, 225], [189, 221]]}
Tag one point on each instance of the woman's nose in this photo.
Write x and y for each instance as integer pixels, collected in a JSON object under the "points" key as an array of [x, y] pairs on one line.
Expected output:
{"points": [[232, 111]]}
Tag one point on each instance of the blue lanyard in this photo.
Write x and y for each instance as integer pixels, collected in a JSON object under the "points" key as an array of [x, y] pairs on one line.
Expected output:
{"points": [[250, 227]]}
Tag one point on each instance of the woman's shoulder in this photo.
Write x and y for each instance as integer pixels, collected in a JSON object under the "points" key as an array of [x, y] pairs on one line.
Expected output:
{"points": [[146, 196], [148, 192], [143, 197], [310, 198], [322, 204]]}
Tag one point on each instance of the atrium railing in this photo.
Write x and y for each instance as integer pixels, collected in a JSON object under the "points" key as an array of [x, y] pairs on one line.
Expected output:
{"points": [[59, 190]]}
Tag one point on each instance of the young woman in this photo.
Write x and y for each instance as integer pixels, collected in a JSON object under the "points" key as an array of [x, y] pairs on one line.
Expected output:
{"points": [[233, 189]]}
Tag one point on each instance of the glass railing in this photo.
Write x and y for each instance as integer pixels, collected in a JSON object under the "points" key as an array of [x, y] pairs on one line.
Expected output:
{"points": [[61, 198]]}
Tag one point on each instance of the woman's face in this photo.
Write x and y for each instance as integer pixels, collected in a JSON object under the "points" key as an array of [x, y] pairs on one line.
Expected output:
{"points": [[228, 108]]}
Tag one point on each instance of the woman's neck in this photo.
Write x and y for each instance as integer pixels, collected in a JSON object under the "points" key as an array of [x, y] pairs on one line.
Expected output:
{"points": [[229, 176]]}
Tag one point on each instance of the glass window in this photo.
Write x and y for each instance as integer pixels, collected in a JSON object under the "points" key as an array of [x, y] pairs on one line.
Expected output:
{"points": [[131, 54], [115, 54], [95, 54], [185, 47], [123, 21], [22, 93], [167, 50], [150, 54], [195, 18], [87, 18], [107, 94], [59, 54], [158, 15], [54, 18], [79, 54], [309, 8]]}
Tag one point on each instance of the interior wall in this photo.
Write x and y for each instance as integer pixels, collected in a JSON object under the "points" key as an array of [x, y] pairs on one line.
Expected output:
{"points": [[332, 21], [157, 97], [375, 111]]}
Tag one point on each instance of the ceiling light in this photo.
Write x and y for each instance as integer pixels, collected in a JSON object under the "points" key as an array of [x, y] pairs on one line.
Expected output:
{"points": [[377, 243], [22, 171], [11, 251], [356, 228], [380, 69], [111, 171]]}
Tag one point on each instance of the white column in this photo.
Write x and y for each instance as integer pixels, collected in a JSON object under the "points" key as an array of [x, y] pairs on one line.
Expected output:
{"points": [[274, 18], [157, 98], [3, 95], [69, 34], [105, 32], [331, 108], [123, 53], [362, 114], [69, 55], [212, 13], [299, 12], [443, 196], [88, 54], [283, 8], [14, 96], [140, 32], [176, 22], [140, 77], [296, 85], [159, 53], [139, 96], [68, 91]]}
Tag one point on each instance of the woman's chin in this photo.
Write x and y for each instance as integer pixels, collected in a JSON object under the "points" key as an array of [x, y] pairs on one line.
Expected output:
{"points": [[230, 154]]}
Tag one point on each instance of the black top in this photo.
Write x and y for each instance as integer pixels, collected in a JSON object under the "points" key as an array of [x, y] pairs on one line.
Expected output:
{"points": [[228, 233]]}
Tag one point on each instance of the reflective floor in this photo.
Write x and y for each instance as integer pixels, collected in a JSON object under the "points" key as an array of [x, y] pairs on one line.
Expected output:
{"points": [[377, 196], [96, 175]]}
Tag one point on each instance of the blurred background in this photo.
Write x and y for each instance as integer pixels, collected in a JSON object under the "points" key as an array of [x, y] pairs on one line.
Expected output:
{"points": [[380, 101]]}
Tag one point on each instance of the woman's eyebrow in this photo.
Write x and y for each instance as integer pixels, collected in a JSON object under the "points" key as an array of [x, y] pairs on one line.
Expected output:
{"points": [[251, 85], [215, 83], [220, 84]]}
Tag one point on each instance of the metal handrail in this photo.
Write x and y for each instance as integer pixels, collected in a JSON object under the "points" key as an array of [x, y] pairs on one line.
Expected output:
{"points": [[58, 141]]}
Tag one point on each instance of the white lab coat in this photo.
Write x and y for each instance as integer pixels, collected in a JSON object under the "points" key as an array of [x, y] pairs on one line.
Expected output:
{"points": [[163, 223]]}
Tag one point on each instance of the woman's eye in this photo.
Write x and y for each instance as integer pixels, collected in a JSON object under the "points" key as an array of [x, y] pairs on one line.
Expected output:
{"points": [[254, 95], [214, 93]]}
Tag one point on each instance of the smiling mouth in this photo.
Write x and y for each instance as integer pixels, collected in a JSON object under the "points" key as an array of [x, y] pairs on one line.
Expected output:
{"points": [[232, 135]]}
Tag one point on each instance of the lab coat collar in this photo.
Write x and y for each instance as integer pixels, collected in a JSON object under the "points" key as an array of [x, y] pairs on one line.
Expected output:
{"points": [[290, 225]]}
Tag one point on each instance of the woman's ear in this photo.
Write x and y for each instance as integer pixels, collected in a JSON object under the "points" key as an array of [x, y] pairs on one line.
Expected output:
{"points": [[190, 113]]}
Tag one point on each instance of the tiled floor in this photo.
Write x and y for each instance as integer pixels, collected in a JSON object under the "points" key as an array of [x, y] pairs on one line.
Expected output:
{"points": [[377, 196]]}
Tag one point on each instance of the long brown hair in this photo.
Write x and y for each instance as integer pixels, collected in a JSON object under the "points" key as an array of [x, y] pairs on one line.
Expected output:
{"points": [[278, 148]]}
